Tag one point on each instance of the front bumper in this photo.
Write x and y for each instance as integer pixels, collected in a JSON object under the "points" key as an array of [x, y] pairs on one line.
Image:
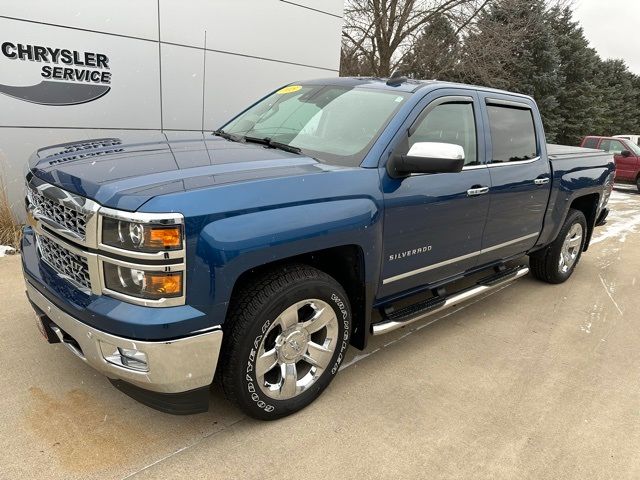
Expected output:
{"points": [[185, 365]]}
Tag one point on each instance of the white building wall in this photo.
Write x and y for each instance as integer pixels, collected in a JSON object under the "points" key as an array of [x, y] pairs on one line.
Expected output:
{"points": [[174, 65]]}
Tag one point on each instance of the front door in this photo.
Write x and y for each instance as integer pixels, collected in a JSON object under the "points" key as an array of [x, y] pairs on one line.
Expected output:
{"points": [[433, 222], [626, 166]]}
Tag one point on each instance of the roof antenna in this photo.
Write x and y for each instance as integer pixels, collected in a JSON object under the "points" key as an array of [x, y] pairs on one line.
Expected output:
{"points": [[396, 79]]}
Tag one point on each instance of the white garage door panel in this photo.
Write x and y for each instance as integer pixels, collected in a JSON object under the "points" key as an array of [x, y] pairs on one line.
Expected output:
{"points": [[228, 93], [334, 7], [132, 102], [262, 28], [137, 18], [182, 69]]}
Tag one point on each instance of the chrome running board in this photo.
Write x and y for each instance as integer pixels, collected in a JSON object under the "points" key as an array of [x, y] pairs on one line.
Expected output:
{"points": [[483, 286]]}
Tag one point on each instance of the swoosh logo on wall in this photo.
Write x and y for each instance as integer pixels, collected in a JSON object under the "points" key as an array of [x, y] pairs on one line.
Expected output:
{"points": [[57, 93]]}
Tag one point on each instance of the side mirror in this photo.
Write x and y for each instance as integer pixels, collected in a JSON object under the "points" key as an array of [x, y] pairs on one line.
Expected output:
{"points": [[625, 153], [427, 157]]}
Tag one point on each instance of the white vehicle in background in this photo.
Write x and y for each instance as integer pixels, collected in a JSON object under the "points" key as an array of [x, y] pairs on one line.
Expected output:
{"points": [[634, 138]]}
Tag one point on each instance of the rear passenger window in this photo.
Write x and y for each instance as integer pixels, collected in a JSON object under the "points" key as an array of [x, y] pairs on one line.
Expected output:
{"points": [[513, 134], [590, 143]]}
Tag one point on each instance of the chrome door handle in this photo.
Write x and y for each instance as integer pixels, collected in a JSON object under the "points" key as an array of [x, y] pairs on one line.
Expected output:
{"points": [[472, 192], [541, 181]]}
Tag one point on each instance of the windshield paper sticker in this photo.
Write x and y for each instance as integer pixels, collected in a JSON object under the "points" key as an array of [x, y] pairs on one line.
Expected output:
{"points": [[289, 89]]}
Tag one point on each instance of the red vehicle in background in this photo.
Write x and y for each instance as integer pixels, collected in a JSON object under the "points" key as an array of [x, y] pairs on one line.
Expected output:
{"points": [[625, 153]]}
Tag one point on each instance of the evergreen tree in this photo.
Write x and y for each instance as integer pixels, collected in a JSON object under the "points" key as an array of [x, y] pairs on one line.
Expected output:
{"points": [[513, 48], [579, 99], [619, 97]]}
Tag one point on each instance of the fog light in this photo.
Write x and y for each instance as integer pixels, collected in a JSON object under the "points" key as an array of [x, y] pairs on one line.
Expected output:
{"points": [[134, 359], [130, 358]]}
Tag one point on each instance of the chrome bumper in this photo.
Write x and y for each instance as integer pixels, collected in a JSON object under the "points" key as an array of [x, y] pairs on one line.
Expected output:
{"points": [[173, 366]]}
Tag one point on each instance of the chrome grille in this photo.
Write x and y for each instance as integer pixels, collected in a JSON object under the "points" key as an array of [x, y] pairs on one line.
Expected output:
{"points": [[68, 264], [67, 217]]}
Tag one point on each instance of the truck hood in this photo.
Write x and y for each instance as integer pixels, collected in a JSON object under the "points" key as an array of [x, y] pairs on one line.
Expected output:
{"points": [[127, 171]]}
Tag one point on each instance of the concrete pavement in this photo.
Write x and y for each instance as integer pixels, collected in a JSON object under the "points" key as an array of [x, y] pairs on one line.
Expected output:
{"points": [[535, 381]]}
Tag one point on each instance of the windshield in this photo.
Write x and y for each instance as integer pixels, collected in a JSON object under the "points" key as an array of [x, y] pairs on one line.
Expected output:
{"points": [[333, 124]]}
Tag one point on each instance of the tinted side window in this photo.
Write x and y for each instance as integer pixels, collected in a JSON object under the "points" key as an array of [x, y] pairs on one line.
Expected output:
{"points": [[450, 123], [513, 134], [612, 146], [590, 143]]}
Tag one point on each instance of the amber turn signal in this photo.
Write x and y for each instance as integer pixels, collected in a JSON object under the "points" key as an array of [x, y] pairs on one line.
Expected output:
{"points": [[164, 284], [164, 237]]}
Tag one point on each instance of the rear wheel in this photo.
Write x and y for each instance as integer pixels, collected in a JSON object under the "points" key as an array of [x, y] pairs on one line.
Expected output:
{"points": [[556, 263], [285, 338], [638, 183]]}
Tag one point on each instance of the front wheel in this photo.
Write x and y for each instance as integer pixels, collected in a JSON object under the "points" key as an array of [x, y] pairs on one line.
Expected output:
{"points": [[284, 340], [556, 262]]}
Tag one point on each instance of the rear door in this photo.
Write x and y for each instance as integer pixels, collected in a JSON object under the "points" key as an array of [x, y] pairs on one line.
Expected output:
{"points": [[626, 166], [520, 176]]}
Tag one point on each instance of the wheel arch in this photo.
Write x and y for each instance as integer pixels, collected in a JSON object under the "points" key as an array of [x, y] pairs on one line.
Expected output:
{"points": [[588, 205], [346, 264]]}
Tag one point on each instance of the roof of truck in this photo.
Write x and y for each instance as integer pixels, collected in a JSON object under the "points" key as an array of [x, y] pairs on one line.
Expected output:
{"points": [[409, 85]]}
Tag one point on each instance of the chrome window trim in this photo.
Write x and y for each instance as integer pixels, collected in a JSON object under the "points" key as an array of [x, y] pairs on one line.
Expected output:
{"points": [[474, 167], [468, 167], [519, 162], [411, 273]]}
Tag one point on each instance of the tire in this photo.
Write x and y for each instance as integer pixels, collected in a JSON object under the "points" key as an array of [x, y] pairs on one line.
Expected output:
{"points": [[555, 263], [638, 184], [281, 319]]}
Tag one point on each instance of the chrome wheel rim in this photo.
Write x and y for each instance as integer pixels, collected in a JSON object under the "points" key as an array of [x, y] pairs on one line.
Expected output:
{"points": [[570, 248], [296, 349]]}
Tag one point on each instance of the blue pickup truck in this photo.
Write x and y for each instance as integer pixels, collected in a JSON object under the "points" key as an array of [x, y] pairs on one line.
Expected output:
{"points": [[327, 212]]}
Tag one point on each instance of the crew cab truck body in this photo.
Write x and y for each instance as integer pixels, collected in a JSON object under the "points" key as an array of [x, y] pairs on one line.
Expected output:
{"points": [[626, 154], [329, 211]]}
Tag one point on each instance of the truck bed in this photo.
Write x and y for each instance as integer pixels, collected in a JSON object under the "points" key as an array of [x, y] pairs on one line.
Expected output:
{"points": [[559, 152]]}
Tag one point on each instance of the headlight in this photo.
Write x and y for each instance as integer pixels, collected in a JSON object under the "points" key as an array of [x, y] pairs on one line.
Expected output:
{"points": [[143, 237], [147, 284]]}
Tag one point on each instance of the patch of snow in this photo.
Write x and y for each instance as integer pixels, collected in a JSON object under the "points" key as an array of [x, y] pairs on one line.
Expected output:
{"points": [[6, 250], [623, 219]]}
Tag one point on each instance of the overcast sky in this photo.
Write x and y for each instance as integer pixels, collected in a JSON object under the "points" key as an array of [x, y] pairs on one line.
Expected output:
{"points": [[613, 28]]}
